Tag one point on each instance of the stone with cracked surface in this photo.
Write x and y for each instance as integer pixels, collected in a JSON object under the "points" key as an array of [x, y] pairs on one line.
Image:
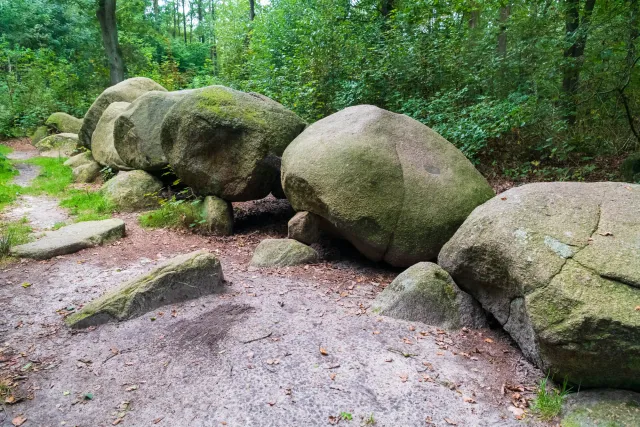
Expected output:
{"points": [[558, 265], [388, 184], [71, 238], [180, 279]]}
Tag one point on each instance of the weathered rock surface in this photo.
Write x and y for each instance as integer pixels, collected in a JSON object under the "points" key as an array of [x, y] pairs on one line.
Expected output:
{"points": [[426, 293], [87, 172], [282, 253], [126, 91], [63, 144], [218, 216], [223, 142], [64, 123], [40, 133], [79, 159], [102, 142], [133, 190], [601, 408], [393, 187], [558, 265], [71, 238], [304, 227], [137, 130], [183, 278], [630, 168]]}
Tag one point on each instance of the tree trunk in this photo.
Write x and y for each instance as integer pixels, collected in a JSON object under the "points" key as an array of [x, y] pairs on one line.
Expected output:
{"points": [[252, 10], [200, 18], [576, 29], [156, 12], [190, 22], [174, 20], [386, 6], [106, 14], [184, 22], [474, 20], [505, 12], [214, 49]]}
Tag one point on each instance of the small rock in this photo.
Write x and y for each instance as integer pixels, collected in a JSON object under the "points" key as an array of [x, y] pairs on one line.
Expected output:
{"points": [[88, 172], [282, 253], [218, 216], [183, 278], [72, 238], [426, 293], [304, 227], [131, 191], [64, 144]]}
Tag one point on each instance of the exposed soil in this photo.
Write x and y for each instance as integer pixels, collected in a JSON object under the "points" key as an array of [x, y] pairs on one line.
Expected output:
{"points": [[250, 356]]}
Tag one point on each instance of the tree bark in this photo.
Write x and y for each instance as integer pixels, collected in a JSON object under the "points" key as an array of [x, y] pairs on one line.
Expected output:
{"points": [[505, 12], [576, 30], [184, 22], [106, 14], [156, 11], [252, 10], [386, 6]]}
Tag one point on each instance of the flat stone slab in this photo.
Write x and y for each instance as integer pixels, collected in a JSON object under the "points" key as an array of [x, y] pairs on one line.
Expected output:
{"points": [[72, 238], [182, 278]]}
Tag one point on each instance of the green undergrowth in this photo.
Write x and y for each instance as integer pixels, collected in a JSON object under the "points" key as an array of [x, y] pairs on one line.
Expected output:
{"points": [[8, 191], [54, 177], [13, 233], [548, 401], [174, 214], [87, 205]]}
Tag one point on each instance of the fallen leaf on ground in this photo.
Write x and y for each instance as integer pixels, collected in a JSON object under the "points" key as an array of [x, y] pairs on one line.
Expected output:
{"points": [[606, 233], [19, 420], [451, 422], [468, 399], [323, 351], [133, 387], [157, 420], [404, 378], [638, 308], [333, 377], [117, 421], [517, 412], [26, 284], [489, 340], [376, 332]]}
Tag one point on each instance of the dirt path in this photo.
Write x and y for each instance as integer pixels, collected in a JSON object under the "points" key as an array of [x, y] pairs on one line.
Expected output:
{"points": [[248, 357], [42, 212]]}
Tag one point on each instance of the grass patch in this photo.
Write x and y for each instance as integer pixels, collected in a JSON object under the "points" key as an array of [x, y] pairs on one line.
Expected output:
{"points": [[8, 191], [88, 205], [174, 214], [12, 234], [4, 150], [548, 404], [54, 176]]}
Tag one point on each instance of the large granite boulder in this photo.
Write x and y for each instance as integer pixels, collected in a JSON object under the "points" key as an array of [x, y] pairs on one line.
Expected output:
{"points": [[39, 134], [137, 130], [426, 293], [64, 123], [71, 238], [61, 144], [390, 185], [132, 191], [79, 160], [225, 143], [126, 91], [558, 265], [282, 253], [182, 278], [102, 142]]}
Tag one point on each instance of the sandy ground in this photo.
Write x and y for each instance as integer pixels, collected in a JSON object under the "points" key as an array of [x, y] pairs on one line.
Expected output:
{"points": [[250, 356]]}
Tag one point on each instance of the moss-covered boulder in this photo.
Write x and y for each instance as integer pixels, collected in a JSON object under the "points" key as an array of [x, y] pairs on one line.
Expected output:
{"points": [[133, 190], [126, 91], [630, 168], [426, 293], [79, 159], [102, 143], [64, 123], [137, 130], [62, 144], [558, 265], [182, 278], [282, 253], [601, 408], [304, 227], [222, 142], [39, 134], [87, 172], [218, 216], [390, 185]]}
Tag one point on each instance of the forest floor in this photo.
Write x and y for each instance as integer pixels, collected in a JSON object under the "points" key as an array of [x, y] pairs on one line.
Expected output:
{"points": [[250, 356]]}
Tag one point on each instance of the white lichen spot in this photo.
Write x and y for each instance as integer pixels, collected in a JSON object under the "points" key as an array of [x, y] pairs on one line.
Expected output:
{"points": [[521, 235], [562, 249]]}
